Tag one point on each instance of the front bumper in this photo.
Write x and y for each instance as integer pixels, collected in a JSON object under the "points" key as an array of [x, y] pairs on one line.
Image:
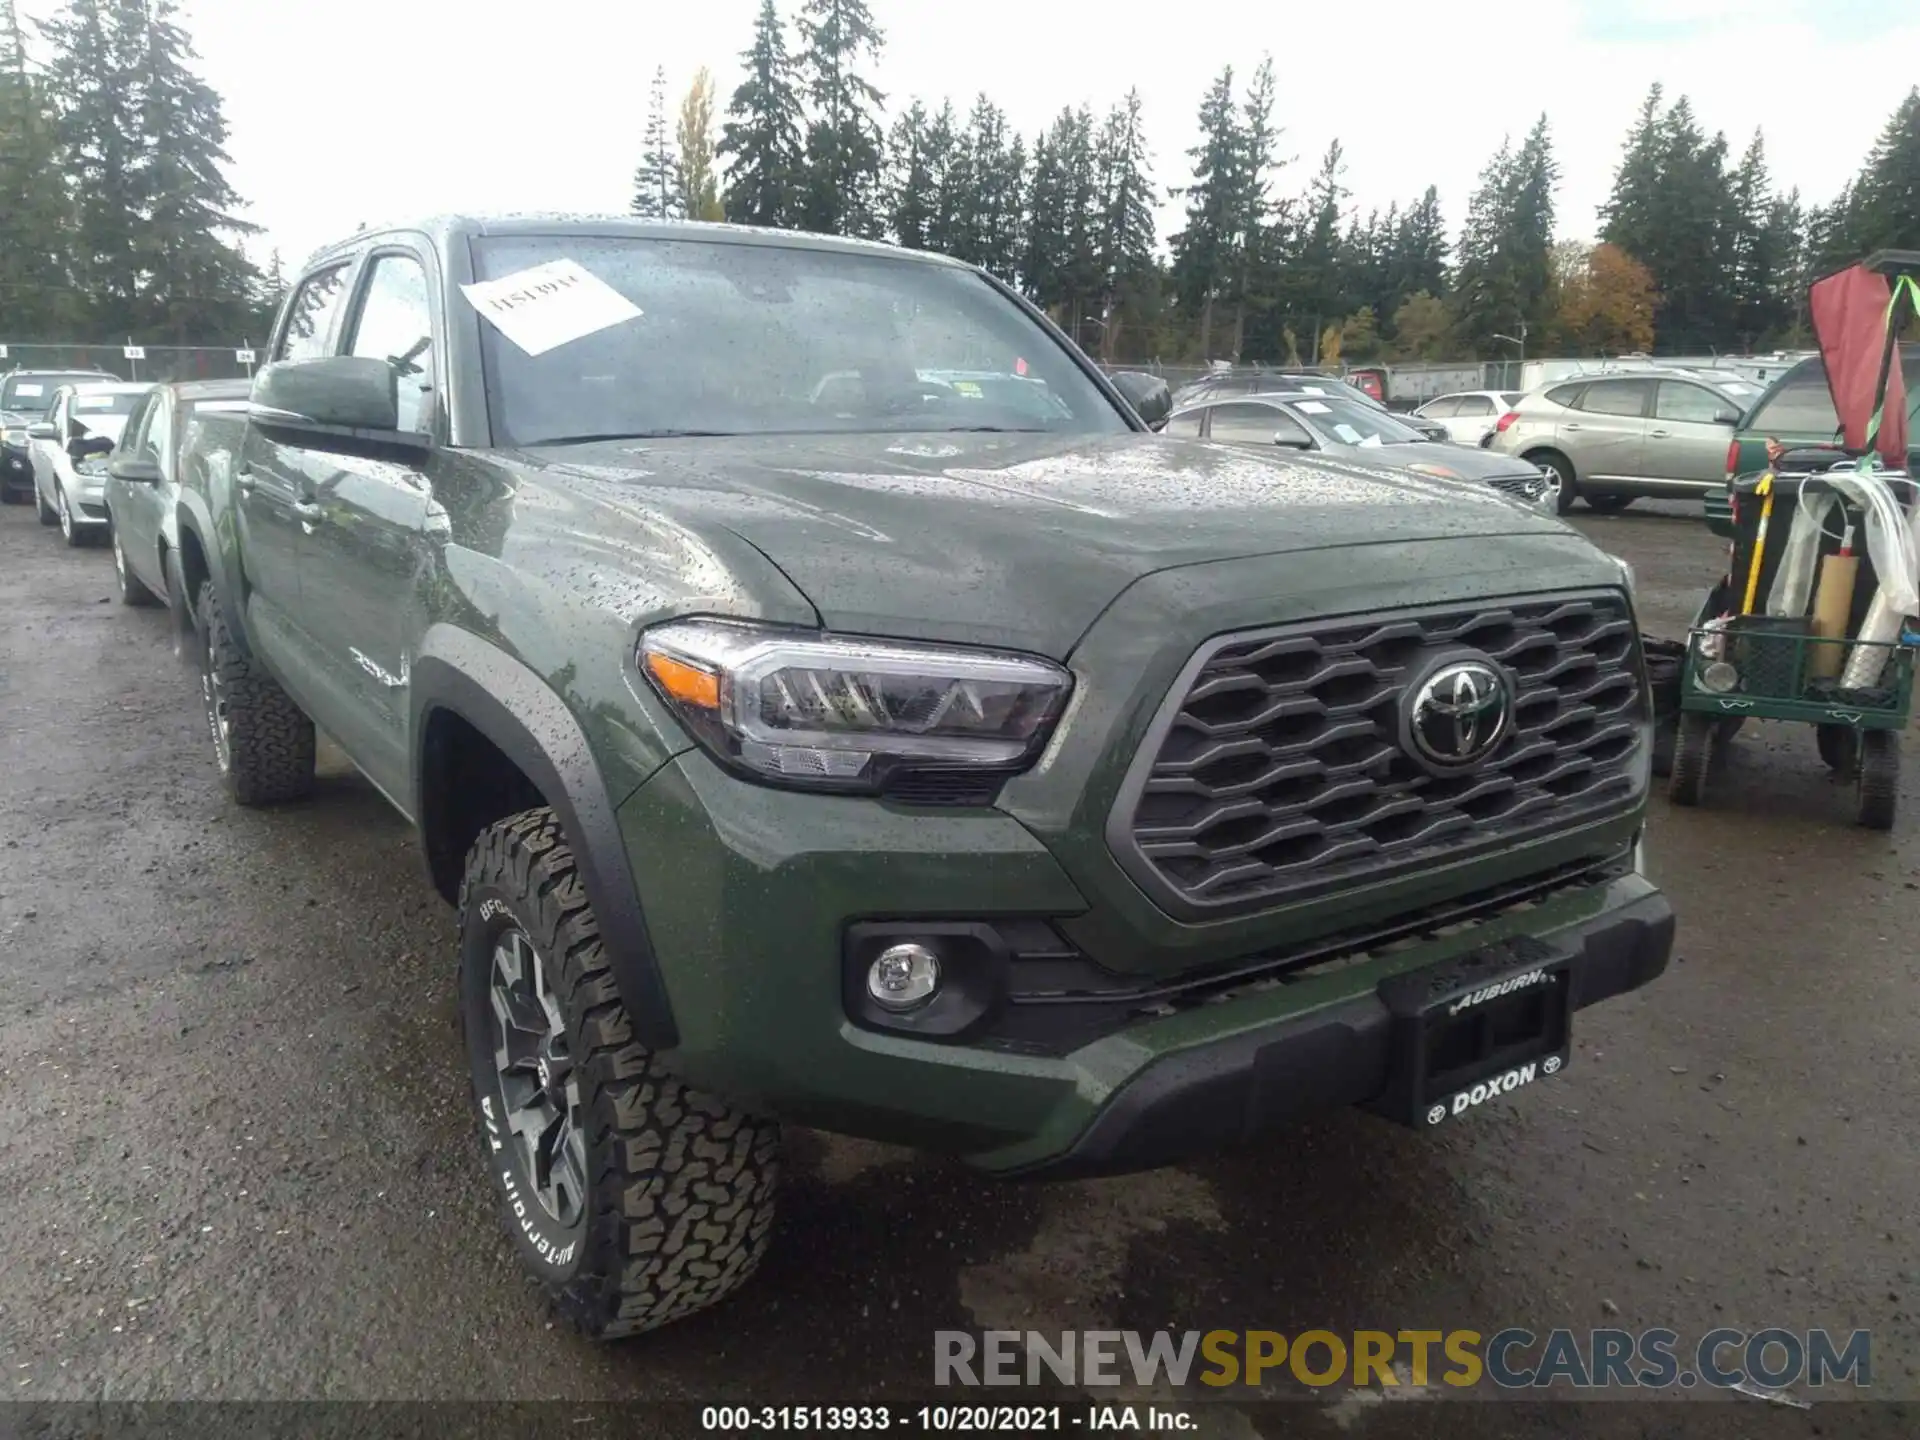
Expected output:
{"points": [[1232, 1091], [16, 471], [749, 895]]}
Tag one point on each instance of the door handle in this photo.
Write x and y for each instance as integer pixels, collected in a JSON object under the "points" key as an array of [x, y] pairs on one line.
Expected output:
{"points": [[1660, 434], [244, 480], [308, 512], [1569, 427]]}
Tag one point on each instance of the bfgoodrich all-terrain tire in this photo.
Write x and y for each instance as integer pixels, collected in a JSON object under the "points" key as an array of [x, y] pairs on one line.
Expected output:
{"points": [[633, 1199], [263, 741]]}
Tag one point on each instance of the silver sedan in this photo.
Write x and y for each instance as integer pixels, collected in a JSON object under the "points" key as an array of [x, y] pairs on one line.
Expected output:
{"points": [[1355, 431]]}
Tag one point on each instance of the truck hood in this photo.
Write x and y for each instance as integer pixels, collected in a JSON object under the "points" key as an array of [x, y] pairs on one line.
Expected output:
{"points": [[1010, 540]]}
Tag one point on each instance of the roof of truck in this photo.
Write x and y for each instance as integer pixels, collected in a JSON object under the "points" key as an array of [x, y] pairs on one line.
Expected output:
{"points": [[449, 227]]}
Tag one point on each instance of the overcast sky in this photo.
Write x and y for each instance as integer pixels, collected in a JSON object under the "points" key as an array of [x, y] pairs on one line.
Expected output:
{"points": [[345, 111]]}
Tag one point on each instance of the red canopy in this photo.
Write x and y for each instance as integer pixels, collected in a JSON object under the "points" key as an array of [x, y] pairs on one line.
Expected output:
{"points": [[1850, 320]]}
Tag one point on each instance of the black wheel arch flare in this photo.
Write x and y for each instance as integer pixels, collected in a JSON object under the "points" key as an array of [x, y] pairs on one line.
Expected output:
{"points": [[519, 713]]}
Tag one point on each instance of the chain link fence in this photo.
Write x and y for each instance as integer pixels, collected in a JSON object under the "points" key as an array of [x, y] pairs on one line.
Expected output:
{"points": [[135, 362]]}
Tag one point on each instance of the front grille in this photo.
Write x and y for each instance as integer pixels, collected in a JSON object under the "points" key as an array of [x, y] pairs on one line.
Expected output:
{"points": [[1527, 487], [1278, 770]]}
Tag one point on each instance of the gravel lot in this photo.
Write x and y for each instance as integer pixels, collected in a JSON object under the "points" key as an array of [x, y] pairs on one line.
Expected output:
{"points": [[241, 1163]]}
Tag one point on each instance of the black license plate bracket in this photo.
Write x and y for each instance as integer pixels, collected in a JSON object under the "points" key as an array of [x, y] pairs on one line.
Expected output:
{"points": [[1469, 1029]]}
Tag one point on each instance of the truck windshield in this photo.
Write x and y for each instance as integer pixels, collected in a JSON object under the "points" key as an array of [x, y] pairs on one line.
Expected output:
{"points": [[747, 339]]}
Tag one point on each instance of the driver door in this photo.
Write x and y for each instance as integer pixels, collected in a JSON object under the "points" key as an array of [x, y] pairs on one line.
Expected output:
{"points": [[271, 497]]}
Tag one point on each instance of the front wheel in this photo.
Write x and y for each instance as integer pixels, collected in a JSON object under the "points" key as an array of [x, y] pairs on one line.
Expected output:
{"points": [[1879, 778], [1562, 468], [263, 741], [634, 1200], [1692, 758], [71, 531]]}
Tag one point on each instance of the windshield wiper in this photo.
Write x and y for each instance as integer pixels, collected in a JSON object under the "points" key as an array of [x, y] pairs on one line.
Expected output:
{"points": [[990, 430], [634, 435]]}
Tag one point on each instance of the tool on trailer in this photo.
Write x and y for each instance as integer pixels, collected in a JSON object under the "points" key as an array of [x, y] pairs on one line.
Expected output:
{"points": [[1765, 490], [1832, 605]]}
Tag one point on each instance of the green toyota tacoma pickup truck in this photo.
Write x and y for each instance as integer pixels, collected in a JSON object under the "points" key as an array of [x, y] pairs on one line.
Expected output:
{"points": [[826, 701]]}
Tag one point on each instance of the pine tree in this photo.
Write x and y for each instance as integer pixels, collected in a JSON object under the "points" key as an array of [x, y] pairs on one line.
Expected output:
{"points": [[761, 138], [1124, 244], [97, 128], [997, 160], [1206, 253], [1075, 142], [1505, 281], [1254, 285], [1043, 266], [657, 191], [842, 184], [1885, 213], [1420, 250], [699, 186], [145, 141], [909, 179], [35, 301], [1319, 291], [952, 231]]}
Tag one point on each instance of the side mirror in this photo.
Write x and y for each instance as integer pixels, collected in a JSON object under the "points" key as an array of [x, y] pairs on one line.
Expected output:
{"points": [[1289, 441], [134, 471], [1726, 417], [338, 398], [1148, 394], [41, 430]]}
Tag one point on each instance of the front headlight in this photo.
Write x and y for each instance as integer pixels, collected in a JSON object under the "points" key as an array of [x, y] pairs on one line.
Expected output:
{"points": [[14, 435], [801, 707]]}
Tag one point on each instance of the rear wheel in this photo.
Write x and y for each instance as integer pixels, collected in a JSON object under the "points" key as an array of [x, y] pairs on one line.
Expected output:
{"points": [[1879, 778], [1609, 504], [1692, 758], [263, 741], [132, 592], [634, 1200]]}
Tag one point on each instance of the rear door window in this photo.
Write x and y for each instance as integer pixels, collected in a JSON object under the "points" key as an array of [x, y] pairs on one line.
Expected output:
{"points": [[1445, 408], [1567, 395], [1184, 427], [1623, 398], [1475, 405], [1680, 400]]}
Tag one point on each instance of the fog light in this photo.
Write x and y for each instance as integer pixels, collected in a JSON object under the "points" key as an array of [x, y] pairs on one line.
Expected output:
{"points": [[1720, 678], [903, 976]]}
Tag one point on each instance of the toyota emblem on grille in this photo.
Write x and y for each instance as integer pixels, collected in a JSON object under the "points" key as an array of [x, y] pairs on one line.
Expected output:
{"points": [[1459, 713]]}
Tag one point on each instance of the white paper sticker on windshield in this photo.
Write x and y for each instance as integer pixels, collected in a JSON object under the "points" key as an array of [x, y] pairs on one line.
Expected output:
{"points": [[544, 307], [1313, 407], [23, 388], [1347, 433], [94, 402], [1311, 390], [1371, 440]]}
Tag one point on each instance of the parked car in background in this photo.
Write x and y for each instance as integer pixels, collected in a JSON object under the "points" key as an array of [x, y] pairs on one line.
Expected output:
{"points": [[1613, 438], [1468, 416], [1797, 410], [70, 448], [1340, 425], [143, 479], [1261, 382], [24, 398]]}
